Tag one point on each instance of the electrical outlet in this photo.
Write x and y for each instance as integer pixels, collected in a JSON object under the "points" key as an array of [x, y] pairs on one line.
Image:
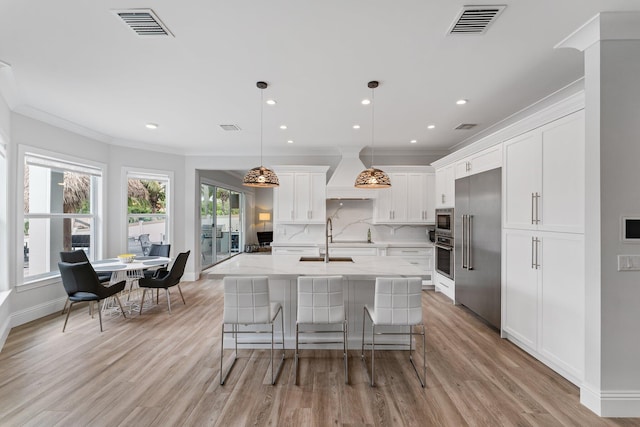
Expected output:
{"points": [[628, 262]]}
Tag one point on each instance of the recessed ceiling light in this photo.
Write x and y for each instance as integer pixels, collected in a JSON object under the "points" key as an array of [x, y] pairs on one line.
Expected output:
{"points": [[356, 126], [290, 141], [461, 101], [366, 101], [151, 126], [283, 127], [271, 102], [413, 141], [431, 126]]}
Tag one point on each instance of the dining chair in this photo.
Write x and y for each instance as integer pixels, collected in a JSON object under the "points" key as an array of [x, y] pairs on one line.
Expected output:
{"points": [[81, 283], [166, 280], [80, 256], [397, 302], [321, 302], [247, 303], [158, 250]]}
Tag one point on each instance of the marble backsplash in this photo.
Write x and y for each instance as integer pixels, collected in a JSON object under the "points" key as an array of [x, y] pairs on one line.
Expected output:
{"points": [[351, 220]]}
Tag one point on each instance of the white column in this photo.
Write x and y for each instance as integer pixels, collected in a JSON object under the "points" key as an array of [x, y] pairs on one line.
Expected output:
{"points": [[611, 44]]}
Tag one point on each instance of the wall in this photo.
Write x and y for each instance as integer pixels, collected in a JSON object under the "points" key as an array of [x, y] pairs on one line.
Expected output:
{"points": [[5, 167]]}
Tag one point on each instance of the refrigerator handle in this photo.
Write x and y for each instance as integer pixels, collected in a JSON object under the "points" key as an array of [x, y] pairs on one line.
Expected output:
{"points": [[469, 242], [464, 241]]}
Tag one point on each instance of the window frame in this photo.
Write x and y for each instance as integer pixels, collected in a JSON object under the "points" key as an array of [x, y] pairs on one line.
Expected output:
{"points": [[146, 174], [97, 213]]}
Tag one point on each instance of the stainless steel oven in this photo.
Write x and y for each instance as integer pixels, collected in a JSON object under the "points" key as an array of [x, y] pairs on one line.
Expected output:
{"points": [[444, 255], [444, 222]]}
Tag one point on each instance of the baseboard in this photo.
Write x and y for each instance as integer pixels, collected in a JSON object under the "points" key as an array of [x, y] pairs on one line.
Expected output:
{"points": [[37, 311], [613, 404], [5, 318]]}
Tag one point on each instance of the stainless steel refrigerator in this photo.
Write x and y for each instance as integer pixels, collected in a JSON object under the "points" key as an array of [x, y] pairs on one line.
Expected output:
{"points": [[477, 244]]}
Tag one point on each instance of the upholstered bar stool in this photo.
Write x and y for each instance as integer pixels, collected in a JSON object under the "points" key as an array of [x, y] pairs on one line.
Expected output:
{"points": [[397, 302], [247, 303], [320, 301]]}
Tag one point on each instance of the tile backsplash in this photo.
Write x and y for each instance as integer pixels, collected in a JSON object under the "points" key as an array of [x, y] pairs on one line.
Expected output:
{"points": [[351, 219]]}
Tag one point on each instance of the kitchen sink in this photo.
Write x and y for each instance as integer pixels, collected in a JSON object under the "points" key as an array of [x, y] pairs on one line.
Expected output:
{"points": [[331, 259]]}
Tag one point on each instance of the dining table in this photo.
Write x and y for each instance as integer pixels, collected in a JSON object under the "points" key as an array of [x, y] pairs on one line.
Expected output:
{"points": [[130, 272]]}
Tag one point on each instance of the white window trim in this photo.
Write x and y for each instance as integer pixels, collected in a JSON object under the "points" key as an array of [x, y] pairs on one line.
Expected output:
{"points": [[4, 218], [99, 222], [142, 173]]}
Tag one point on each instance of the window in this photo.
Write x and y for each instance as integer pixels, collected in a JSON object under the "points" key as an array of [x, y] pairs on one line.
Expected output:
{"points": [[221, 218], [61, 211], [148, 205]]}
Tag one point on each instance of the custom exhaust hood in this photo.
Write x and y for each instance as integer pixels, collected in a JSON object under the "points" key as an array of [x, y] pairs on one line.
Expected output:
{"points": [[341, 184]]}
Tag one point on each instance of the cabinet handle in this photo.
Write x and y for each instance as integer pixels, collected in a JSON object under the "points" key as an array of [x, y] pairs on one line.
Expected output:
{"points": [[537, 197], [533, 242], [533, 220], [537, 253], [443, 198]]}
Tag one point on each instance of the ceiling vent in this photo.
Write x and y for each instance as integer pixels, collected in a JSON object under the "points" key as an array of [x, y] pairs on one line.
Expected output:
{"points": [[144, 22], [230, 127], [465, 126], [475, 19]]}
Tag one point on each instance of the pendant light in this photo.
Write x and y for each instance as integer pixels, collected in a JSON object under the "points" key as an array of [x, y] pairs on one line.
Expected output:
{"points": [[260, 176], [372, 177]]}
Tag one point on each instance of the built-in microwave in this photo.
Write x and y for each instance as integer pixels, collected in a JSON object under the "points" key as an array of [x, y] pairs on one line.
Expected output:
{"points": [[444, 221]]}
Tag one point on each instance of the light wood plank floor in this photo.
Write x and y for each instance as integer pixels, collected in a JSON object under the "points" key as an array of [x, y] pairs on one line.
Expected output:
{"points": [[162, 370]]}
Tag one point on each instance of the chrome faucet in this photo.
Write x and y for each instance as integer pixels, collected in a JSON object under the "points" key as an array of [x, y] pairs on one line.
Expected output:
{"points": [[328, 237]]}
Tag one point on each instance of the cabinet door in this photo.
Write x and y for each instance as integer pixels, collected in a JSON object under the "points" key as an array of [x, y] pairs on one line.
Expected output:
{"points": [[283, 199], [491, 158], [417, 197], [430, 199], [318, 209], [520, 287], [383, 205], [399, 197], [523, 169], [302, 199], [561, 259], [445, 184], [562, 200]]}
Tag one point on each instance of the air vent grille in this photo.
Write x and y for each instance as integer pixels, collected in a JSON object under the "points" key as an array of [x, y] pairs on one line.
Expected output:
{"points": [[230, 127], [475, 19], [144, 22], [465, 126]]}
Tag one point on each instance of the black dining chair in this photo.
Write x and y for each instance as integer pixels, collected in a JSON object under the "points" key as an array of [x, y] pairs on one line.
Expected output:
{"points": [[165, 281], [76, 257], [158, 250], [82, 284]]}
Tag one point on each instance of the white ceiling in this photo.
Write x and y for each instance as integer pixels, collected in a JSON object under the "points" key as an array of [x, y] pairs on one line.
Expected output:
{"points": [[75, 60]]}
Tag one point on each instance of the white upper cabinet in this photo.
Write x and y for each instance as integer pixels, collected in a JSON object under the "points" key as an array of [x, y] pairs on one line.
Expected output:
{"points": [[445, 187], [301, 196], [410, 200], [544, 177], [485, 160]]}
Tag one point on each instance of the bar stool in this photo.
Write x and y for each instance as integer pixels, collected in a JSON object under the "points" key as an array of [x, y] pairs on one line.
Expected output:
{"points": [[320, 301], [246, 302], [398, 302]]}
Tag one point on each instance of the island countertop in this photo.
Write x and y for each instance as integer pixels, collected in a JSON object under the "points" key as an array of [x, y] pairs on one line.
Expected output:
{"points": [[289, 266]]}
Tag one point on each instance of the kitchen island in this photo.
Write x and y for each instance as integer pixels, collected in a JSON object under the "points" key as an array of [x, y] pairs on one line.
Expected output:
{"points": [[283, 271]]}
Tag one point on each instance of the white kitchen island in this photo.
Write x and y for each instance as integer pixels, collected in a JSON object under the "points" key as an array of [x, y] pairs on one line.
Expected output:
{"points": [[283, 271]]}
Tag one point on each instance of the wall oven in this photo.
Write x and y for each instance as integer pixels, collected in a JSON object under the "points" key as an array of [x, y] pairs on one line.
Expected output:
{"points": [[444, 222], [444, 256]]}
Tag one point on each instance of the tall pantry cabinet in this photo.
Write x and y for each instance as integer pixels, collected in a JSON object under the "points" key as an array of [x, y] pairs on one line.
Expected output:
{"points": [[543, 243]]}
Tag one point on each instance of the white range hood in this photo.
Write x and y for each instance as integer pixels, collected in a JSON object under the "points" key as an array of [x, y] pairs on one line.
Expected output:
{"points": [[341, 183]]}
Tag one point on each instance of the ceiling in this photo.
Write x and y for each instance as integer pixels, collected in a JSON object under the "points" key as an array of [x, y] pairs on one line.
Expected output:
{"points": [[75, 62]]}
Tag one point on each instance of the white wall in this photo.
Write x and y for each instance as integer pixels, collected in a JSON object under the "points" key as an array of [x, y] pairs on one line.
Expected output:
{"points": [[5, 168]]}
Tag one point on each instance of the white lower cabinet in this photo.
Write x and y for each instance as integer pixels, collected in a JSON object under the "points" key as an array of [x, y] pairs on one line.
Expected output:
{"points": [[543, 297], [420, 257], [445, 285], [295, 250]]}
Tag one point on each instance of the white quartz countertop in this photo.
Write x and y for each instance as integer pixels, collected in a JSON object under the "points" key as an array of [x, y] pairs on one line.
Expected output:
{"points": [[288, 266], [355, 244]]}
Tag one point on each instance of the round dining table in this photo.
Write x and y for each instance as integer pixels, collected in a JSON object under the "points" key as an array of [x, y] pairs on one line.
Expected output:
{"points": [[131, 272]]}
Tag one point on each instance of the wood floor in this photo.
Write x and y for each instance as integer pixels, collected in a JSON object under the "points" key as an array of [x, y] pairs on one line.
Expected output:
{"points": [[162, 370]]}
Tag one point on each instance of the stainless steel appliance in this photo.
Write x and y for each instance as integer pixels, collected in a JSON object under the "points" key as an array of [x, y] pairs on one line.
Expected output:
{"points": [[478, 244], [444, 221], [444, 255]]}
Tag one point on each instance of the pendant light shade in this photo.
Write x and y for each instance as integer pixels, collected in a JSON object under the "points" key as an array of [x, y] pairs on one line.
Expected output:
{"points": [[372, 177], [261, 176]]}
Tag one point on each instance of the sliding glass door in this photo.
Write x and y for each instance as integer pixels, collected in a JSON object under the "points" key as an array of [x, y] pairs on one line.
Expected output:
{"points": [[220, 223]]}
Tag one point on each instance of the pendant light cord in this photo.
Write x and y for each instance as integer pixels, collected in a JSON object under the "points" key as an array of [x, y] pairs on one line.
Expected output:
{"points": [[261, 122], [373, 103]]}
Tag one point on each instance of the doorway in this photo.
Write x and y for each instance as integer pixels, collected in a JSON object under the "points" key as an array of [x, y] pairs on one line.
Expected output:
{"points": [[220, 223]]}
